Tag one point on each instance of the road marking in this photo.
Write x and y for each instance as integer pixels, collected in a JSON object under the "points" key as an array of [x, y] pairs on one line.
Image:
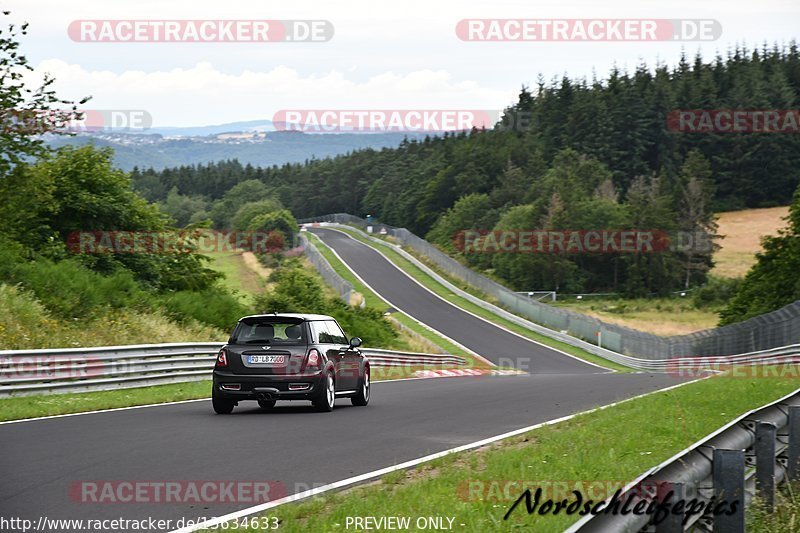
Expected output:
{"points": [[467, 372], [408, 464]]}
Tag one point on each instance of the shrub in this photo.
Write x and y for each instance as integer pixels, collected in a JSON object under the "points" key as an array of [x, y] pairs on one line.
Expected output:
{"points": [[214, 307], [249, 211], [70, 290], [295, 291], [369, 324], [280, 221], [26, 324], [717, 292]]}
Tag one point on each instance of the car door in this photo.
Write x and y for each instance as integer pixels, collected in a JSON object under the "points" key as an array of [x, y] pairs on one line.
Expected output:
{"points": [[350, 357], [328, 339]]}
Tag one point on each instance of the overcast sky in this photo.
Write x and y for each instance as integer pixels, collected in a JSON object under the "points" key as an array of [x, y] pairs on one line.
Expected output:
{"points": [[384, 55]]}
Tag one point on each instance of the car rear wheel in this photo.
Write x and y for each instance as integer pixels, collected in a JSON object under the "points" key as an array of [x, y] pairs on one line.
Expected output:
{"points": [[327, 396], [266, 404], [222, 406], [362, 397]]}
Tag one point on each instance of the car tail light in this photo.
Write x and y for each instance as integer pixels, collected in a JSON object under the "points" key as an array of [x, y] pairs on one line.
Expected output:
{"points": [[313, 359], [222, 358]]}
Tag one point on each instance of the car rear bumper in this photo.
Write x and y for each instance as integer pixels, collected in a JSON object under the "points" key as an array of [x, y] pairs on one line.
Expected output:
{"points": [[267, 386]]}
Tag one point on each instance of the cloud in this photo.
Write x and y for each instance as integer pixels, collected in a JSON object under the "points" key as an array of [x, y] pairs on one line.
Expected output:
{"points": [[203, 94]]}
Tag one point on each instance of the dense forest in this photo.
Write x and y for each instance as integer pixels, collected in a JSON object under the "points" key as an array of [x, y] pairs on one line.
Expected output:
{"points": [[571, 154]]}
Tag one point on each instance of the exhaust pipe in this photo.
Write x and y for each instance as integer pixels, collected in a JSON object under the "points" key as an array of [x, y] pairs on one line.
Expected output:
{"points": [[264, 396]]}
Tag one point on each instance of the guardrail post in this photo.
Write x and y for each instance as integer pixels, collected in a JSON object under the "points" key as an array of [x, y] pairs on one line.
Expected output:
{"points": [[673, 523], [793, 453], [766, 434], [728, 476]]}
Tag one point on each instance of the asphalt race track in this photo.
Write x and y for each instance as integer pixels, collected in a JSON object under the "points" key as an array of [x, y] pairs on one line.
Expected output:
{"points": [[493, 343], [45, 462]]}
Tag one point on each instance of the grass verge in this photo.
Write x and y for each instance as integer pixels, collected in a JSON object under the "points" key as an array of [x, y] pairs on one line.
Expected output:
{"points": [[239, 278], [426, 280], [62, 404], [476, 488]]}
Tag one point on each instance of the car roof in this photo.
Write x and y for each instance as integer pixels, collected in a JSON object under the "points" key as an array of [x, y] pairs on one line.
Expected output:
{"points": [[301, 316]]}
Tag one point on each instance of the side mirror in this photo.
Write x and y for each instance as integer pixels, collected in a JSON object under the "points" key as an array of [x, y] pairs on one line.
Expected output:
{"points": [[355, 342]]}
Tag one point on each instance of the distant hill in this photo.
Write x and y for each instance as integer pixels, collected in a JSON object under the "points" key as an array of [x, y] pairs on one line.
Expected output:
{"points": [[168, 147], [202, 131]]}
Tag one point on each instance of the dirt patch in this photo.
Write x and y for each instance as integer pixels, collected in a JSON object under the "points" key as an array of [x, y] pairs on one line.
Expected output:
{"points": [[252, 263]]}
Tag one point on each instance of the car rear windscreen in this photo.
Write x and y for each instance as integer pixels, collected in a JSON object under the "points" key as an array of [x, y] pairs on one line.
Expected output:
{"points": [[269, 331]]}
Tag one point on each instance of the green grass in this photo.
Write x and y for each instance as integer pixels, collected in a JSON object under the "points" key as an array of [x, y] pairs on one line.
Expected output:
{"points": [[239, 279], [615, 444], [61, 404], [442, 291], [784, 519], [373, 299]]}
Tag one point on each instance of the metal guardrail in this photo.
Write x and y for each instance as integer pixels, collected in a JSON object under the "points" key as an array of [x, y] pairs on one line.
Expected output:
{"points": [[338, 283], [745, 459], [25, 372], [679, 365]]}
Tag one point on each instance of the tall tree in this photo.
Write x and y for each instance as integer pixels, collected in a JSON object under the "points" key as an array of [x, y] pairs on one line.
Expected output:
{"points": [[26, 113]]}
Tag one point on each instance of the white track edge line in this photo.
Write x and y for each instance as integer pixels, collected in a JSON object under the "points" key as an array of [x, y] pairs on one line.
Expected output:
{"points": [[408, 464]]}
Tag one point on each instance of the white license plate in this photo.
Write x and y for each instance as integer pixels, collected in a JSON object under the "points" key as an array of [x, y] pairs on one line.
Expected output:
{"points": [[274, 359]]}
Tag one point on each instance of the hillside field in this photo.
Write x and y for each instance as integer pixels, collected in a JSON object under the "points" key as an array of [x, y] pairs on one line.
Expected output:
{"points": [[742, 231]]}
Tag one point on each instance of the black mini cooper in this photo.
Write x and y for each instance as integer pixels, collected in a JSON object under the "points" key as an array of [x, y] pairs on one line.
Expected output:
{"points": [[289, 357]]}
